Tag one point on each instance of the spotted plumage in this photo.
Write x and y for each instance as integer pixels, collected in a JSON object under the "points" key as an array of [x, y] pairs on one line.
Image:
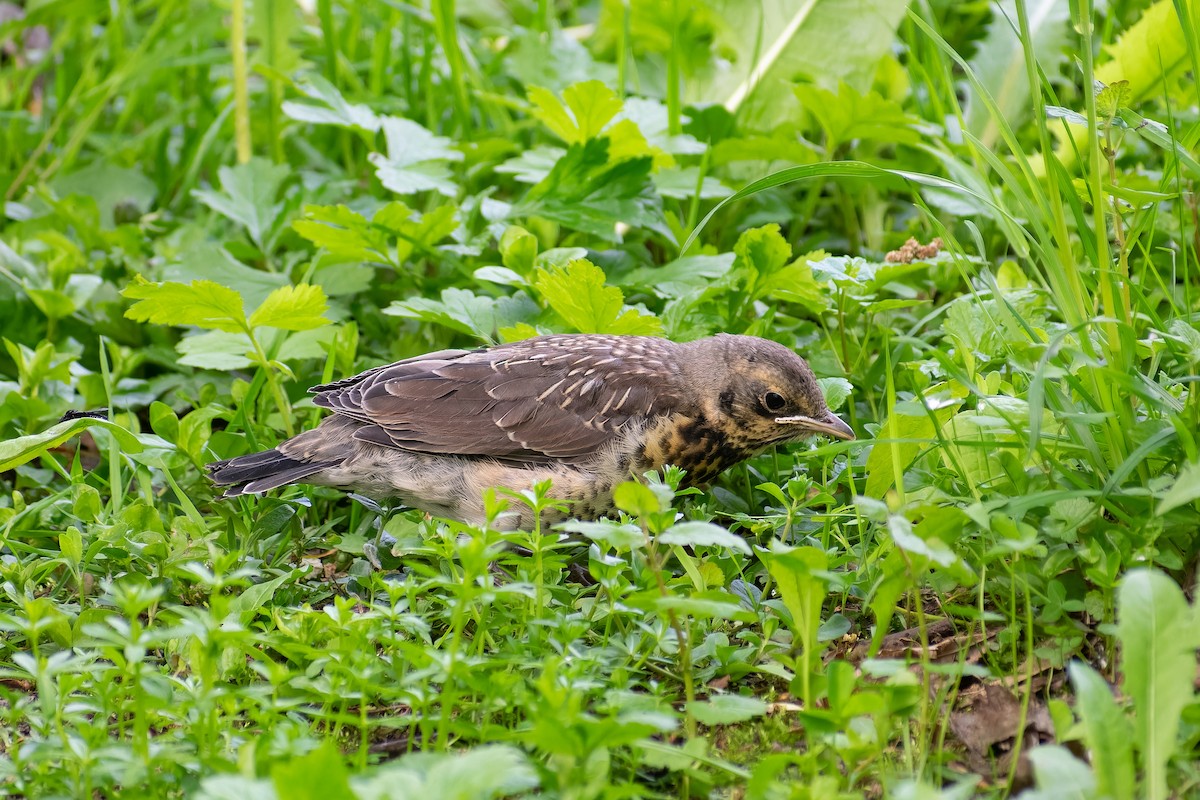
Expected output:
{"points": [[583, 411]]}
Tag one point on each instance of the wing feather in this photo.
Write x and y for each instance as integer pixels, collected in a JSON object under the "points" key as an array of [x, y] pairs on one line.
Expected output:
{"points": [[542, 399]]}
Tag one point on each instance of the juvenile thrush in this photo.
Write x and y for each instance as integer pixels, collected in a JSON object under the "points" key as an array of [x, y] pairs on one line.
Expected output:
{"points": [[584, 411]]}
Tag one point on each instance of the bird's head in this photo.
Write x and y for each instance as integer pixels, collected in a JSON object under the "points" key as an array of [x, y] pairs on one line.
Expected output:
{"points": [[761, 392]]}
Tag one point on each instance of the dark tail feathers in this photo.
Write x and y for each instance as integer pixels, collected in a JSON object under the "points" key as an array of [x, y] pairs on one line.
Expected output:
{"points": [[259, 472]]}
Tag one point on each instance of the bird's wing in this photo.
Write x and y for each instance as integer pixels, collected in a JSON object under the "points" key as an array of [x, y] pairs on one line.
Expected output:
{"points": [[547, 398]]}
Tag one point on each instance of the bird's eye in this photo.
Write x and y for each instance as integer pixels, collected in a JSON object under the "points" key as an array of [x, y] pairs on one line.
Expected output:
{"points": [[773, 401]]}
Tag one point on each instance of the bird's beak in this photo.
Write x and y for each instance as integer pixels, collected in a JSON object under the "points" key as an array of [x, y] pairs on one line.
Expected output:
{"points": [[830, 425]]}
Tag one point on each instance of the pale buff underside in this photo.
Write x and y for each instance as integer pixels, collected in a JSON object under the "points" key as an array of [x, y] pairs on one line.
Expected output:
{"points": [[453, 486]]}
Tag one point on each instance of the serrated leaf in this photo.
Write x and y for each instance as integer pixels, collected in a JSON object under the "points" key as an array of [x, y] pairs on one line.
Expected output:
{"points": [[210, 262], [578, 294], [848, 115], [416, 160], [586, 108], [292, 308], [836, 391], [247, 196], [330, 107], [201, 303], [589, 192]]}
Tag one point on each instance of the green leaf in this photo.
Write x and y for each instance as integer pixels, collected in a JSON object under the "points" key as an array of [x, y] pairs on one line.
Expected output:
{"points": [[210, 262], [788, 38], [14, 452], [682, 275], [726, 709], [518, 249], [578, 294], [638, 500], [1183, 490], [999, 63], [247, 197], [247, 604], [849, 115], [797, 575], [836, 391], [319, 775], [466, 312], [201, 303], [902, 439], [329, 106], [292, 308], [703, 534], [111, 186], [215, 350], [1158, 635], [1060, 775], [589, 192], [907, 539], [416, 161], [1107, 732], [625, 536], [585, 110]]}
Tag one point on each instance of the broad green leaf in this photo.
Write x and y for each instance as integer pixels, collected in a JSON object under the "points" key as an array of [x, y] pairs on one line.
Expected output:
{"points": [[999, 63], [14, 452], [623, 536], [578, 294], [639, 500], [319, 775], [588, 190], [797, 575], [201, 303], [292, 308], [1060, 775], [247, 604], [1107, 732], [467, 312], [703, 534], [518, 249], [343, 232], [763, 250], [778, 40], [248, 196], [215, 350], [211, 262], [901, 440], [111, 186], [329, 107], [416, 160], [848, 115], [682, 275], [1158, 635], [1184, 489], [836, 391], [907, 540], [726, 709]]}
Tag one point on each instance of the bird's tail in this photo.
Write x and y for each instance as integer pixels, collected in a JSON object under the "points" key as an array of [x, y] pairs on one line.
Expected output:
{"points": [[259, 472]]}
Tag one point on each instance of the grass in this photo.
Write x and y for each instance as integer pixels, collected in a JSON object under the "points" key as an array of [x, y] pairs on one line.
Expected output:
{"points": [[209, 208]]}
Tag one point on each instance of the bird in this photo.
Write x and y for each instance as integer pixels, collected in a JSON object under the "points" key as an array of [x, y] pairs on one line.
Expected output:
{"points": [[584, 411]]}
